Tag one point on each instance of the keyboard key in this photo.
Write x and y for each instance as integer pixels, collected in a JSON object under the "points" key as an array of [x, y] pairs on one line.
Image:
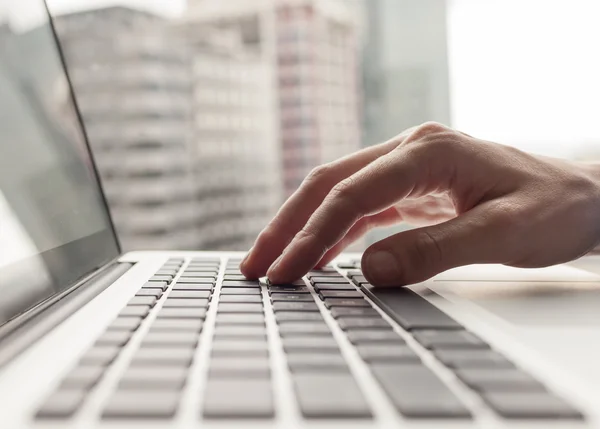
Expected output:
{"points": [[472, 359], [399, 353], [163, 356], [225, 398], [297, 283], [170, 339], [293, 316], [241, 298], [410, 310], [189, 294], [319, 273], [62, 404], [193, 286], [167, 272], [340, 294], [346, 302], [295, 306], [530, 405], [334, 287], [240, 308], [234, 367], [337, 312], [82, 377], [100, 355], [304, 328], [347, 323], [233, 272], [160, 377], [193, 325], [185, 303], [346, 265], [141, 404], [359, 280], [235, 277], [182, 313], [353, 273], [239, 283], [498, 379], [155, 292], [368, 336], [445, 339], [241, 291], [195, 279], [142, 300], [329, 395], [229, 332], [239, 348], [155, 285], [308, 344], [417, 392], [316, 362], [240, 319], [329, 279], [288, 289], [200, 273], [167, 279], [286, 297], [125, 324], [113, 338]]}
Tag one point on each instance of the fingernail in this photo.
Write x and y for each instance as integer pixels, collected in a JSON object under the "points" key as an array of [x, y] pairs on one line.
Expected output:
{"points": [[381, 268]]}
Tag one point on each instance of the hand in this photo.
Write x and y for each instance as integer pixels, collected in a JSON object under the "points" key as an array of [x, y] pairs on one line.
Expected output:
{"points": [[500, 205]]}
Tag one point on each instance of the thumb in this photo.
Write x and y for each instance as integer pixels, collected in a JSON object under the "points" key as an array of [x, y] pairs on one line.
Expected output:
{"points": [[416, 255]]}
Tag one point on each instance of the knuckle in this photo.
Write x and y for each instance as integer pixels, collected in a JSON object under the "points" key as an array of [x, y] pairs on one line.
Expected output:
{"points": [[318, 174], [429, 128], [344, 193], [427, 252]]}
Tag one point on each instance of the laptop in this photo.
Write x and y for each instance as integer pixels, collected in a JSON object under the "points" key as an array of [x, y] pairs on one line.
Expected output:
{"points": [[91, 337]]}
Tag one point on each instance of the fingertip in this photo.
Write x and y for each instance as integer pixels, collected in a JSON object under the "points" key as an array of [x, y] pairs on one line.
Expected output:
{"points": [[380, 268]]}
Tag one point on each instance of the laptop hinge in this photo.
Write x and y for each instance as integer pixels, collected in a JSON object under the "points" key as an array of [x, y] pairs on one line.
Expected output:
{"points": [[24, 330]]}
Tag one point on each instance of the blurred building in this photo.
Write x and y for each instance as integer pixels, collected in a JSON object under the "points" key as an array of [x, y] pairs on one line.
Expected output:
{"points": [[312, 46], [179, 124]]}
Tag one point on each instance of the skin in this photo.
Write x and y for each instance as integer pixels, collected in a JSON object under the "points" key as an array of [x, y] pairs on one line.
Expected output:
{"points": [[477, 202]]}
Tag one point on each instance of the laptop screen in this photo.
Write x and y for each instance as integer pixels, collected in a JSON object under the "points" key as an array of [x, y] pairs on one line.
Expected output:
{"points": [[54, 224]]}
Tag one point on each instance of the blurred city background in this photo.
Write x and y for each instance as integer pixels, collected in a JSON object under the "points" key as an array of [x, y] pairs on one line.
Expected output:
{"points": [[205, 115]]}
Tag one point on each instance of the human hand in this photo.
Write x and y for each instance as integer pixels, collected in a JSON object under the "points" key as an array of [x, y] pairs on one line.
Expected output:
{"points": [[495, 203]]}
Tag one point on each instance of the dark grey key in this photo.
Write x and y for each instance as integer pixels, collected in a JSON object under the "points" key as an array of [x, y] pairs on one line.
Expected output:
{"points": [[156, 292], [353, 273], [193, 286], [188, 294], [240, 319], [472, 359], [82, 377], [185, 303], [241, 291], [155, 285], [297, 283], [244, 367], [417, 392], [239, 283], [330, 280], [304, 328], [167, 279], [530, 405], [182, 313], [498, 379], [225, 398], [445, 339], [315, 362], [334, 287], [135, 310], [288, 289], [390, 353], [329, 395], [167, 272], [181, 356], [295, 306], [240, 308], [100, 356], [170, 339], [369, 336], [142, 300], [293, 316], [340, 294], [62, 404], [285, 297], [347, 323], [346, 302], [337, 312], [329, 273], [239, 348], [158, 377], [126, 404], [235, 277], [241, 298], [359, 280], [310, 344], [125, 324], [113, 338], [409, 309], [233, 272], [195, 279], [232, 331], [194, 325]]}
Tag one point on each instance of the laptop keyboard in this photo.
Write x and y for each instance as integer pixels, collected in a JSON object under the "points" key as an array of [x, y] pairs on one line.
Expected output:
{"points": [[239, 380]]}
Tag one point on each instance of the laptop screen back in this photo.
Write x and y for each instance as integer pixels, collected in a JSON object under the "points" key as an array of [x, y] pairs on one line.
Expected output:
{"points": [[54, 224]]}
